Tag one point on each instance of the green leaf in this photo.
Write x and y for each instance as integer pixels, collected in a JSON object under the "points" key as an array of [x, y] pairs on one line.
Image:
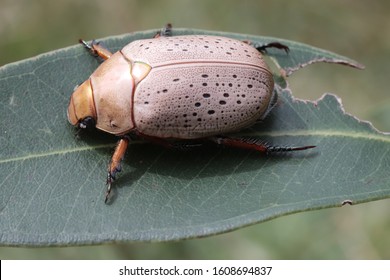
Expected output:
{"points": [[52, 182]]}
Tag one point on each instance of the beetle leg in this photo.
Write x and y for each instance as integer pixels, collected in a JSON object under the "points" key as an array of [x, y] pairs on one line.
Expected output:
{"points": [[115, 163], [166, 31], [96, 49], [276, 45], [255, 144]]}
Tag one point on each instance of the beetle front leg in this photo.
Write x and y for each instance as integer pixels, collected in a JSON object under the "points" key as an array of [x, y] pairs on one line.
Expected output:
{"points": [[96, 49], [255, 144], [115, 164]]}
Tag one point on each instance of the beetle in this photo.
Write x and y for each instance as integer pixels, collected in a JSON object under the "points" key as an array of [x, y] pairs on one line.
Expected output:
{"points": [[177, 88]]}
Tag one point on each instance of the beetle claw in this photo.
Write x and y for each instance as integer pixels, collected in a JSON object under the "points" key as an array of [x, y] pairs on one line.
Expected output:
{"points": [[166, 31]]}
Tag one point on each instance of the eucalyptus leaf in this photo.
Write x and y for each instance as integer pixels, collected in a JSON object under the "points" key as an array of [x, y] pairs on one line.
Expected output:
{"points": [[52, 180]]}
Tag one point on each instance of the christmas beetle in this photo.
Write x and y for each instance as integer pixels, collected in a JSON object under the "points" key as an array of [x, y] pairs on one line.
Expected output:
{"points": [[177, 88]]}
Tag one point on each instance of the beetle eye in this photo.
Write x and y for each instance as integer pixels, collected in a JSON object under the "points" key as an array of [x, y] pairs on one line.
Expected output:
{"points": [[88, 122]]}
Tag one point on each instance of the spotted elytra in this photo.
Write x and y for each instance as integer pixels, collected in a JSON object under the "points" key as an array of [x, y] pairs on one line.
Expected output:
{"points": [[182, 87]]}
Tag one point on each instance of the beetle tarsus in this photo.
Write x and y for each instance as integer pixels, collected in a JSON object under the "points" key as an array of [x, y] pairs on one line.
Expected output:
{"points": [[89, 47], [110, 179], [256, 144], [96, 49], [85, 44], [281, 149]]}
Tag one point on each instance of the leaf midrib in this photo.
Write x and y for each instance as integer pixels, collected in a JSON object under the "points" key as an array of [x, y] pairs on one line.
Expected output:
{"points": [[324, 133]]}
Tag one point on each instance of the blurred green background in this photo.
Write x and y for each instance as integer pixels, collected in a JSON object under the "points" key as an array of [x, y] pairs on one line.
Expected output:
{"points": [[355, 28]]}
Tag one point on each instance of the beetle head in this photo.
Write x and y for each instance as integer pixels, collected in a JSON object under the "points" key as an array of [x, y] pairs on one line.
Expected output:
{"points": [[81, 109]]}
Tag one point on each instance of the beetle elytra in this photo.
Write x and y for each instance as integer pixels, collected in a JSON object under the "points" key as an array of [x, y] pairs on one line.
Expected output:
{"points": [[176, 88]]}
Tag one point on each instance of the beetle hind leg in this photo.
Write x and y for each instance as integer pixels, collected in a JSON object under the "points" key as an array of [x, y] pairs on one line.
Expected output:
{"points": [[276, 45], [256, 144], [96, 49], [115, 164]]}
